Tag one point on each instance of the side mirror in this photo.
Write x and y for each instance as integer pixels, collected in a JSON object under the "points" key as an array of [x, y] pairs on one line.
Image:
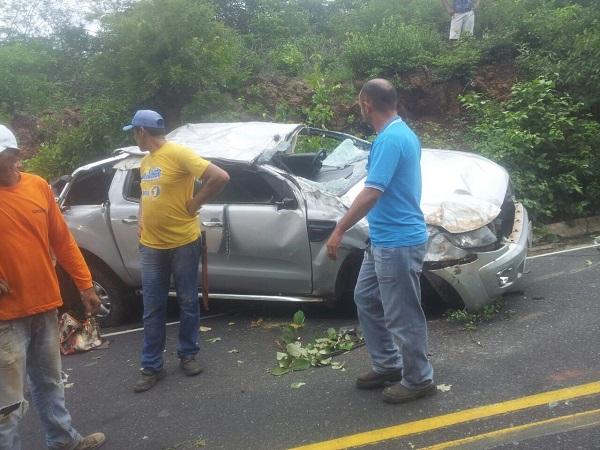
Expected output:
{"points": [[286, 203]]}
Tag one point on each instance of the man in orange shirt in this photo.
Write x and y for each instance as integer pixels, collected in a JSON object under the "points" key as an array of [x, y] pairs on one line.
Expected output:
{"points": [[31, 227]]}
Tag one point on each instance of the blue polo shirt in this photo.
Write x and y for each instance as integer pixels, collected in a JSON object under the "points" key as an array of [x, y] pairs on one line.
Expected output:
{"points": [[394, 168]]}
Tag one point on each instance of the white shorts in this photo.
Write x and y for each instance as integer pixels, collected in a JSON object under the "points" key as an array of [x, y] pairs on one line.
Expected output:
{"points": [[462, 22]]}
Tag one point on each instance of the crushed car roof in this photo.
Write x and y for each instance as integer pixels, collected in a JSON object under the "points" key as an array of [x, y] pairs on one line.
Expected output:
{"points": [[238, 141]]}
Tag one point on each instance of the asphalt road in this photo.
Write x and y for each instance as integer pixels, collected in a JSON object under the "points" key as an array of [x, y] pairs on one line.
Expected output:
{"points": [[544, 340]]}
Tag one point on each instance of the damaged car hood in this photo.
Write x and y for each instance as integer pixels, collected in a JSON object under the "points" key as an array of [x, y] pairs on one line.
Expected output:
{"points": [[461, 191]]}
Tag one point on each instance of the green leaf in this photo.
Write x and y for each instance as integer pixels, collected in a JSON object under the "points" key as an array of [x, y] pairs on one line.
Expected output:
{"points": [[294, 349], [298, 318], [300, 364], [281, 355], [337, 365], [278, 371], [331, 333]]}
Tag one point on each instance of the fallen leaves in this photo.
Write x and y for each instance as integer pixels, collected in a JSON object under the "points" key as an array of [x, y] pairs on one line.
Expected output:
{"points": [[444, 387], [213, 340], [337, 365], [297, 385], [294, 356], [204, 329]]}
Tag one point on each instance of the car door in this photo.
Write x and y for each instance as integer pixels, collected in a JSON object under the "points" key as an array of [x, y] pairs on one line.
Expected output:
{"points": [[265, 241], [125, 198], [85, 206]]}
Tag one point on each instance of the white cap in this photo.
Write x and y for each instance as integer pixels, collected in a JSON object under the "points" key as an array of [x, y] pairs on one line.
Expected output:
{"points": [[7, 139]]}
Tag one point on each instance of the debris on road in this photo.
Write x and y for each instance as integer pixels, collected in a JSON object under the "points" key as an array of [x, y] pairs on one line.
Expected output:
{"points": [[233, 350], [204, 329], [297, 385], [336, 365], [293, 356], [213, 340], [444, 387]]}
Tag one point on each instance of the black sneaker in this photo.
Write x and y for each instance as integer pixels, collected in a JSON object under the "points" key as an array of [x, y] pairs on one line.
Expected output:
{"points": [[374, 380], [401, 394], [148, 379], [190, 366]]}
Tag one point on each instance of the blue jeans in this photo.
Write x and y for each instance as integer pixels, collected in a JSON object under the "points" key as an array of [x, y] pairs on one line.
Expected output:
{"points": [[388, 301], [30, 346], [157, 267]]}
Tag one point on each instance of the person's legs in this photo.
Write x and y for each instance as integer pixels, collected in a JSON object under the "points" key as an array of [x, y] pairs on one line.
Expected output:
{"points": [[468, 23], [156, 278], [384, 352], [455, 26], [398, 273], [13, 406], [184, 265], [47, 389]]}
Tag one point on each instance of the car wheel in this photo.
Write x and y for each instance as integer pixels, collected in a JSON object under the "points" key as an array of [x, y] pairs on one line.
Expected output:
{"points": [[113, 295]]}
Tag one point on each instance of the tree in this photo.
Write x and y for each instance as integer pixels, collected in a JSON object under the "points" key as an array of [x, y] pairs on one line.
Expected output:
{"points": [[164, 53]]}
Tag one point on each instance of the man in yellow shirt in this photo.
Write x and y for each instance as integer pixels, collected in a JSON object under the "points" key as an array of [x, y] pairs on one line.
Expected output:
{"points": [[169, 240]]}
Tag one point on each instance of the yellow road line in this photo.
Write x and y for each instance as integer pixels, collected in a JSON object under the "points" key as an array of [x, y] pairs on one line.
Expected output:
{"points": [[530, 430], [467, 415]]}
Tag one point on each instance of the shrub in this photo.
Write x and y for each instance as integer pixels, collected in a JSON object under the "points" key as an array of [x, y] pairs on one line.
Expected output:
{"points": [[547, 143], [288, 59], [98, 135], [391, 48]]}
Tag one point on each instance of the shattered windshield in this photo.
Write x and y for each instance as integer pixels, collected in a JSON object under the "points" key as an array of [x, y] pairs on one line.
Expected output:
{"points": [[345, 166]]}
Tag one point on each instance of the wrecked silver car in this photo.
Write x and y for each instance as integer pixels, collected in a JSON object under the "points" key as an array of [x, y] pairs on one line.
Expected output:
{"points": [[290, 183]]}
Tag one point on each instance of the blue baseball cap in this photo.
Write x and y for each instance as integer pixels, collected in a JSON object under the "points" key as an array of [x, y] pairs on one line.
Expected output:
{"points": [[146, 118]]}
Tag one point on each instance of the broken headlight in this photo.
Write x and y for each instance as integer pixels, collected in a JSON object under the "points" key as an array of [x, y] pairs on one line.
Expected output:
{"points": [[481, 237]]}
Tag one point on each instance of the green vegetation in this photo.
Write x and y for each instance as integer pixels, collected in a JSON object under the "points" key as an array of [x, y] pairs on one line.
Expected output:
{"points": [[293, 356], [471, 320], [547, 142], [528, 81]]}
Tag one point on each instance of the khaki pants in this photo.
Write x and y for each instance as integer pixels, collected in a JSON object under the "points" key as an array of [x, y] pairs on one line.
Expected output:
{"points": [[462, 22]]}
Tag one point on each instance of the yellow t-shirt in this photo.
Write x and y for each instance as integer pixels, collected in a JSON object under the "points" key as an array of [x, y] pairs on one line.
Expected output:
{"points": [[167, 182]]}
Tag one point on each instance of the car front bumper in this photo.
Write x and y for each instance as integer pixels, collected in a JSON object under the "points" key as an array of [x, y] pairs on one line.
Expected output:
{"points": [[494, 273]]}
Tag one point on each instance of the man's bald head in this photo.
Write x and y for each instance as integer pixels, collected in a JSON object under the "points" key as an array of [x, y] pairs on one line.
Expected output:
{"points": [[381, 94]]}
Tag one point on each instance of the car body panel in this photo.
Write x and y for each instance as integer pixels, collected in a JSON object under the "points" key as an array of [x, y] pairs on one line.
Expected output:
{"points": [[271, 244]]}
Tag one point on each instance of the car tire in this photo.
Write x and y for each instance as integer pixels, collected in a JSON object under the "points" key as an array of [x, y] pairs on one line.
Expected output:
{"points": [[346, 283], [114, 296]]}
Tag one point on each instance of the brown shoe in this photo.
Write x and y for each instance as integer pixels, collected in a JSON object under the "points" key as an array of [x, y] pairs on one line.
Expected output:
{"points": [[190, 366], [374, 380], [93, 440], [401, 394], [148, 378]]}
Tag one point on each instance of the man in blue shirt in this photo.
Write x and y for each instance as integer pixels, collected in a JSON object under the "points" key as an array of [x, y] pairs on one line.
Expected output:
{"points": [[388, 291]]}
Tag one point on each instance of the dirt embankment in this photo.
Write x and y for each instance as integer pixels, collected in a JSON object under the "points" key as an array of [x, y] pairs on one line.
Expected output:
{"points": [[421, 99]]}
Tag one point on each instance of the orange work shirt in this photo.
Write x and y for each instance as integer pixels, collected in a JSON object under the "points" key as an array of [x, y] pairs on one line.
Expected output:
{"points": [[31, 226]]}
